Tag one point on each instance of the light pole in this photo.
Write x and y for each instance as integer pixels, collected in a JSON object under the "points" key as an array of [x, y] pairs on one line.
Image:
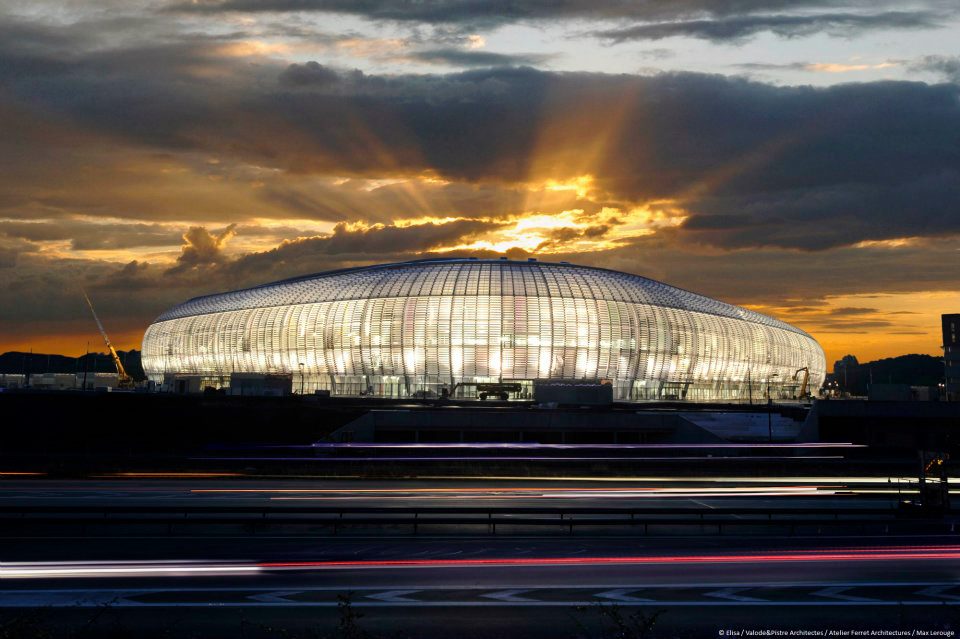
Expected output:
{"points": [[301, 379], [770, 419], [770, 408]]}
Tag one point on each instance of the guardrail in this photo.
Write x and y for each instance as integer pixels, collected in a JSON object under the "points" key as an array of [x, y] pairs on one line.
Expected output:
{"points": [[338, 518]]}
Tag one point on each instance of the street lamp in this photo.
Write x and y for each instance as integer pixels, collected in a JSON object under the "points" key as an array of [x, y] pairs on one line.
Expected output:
{"points": [[770, 408], [301, 379]]}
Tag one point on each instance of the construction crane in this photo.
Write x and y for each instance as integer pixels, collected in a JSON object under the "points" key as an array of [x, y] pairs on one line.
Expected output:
{"points": [[806, 378], [123, 380]]}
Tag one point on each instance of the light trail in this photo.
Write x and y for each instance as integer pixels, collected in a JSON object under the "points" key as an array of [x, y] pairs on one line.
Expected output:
{"points": [[477, 458], [176, 568], [520, 492], [88, 569], [933, 552], [165, 475], [705, 479], [528, 490], [731, 479], [786, 491], [536, 446]]}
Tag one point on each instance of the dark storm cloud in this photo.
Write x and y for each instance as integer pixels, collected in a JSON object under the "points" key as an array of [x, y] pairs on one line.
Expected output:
{"points": [[788, 26], [315, 75], [946, 66], [8, 257], [308, 74], [10, 250], [818, 218], [753, 164], [89, 236], [45, 289], [494, 12], [345, 245], [132, 276], [34, 231], [652, 19], [467, 58]]}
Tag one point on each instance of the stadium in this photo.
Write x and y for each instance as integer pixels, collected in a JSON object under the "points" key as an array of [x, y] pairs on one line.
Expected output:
{"points": [[446, 327]]}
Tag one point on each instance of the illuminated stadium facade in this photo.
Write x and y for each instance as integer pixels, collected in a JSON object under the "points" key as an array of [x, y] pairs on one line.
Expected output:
{"points": [[431, 327]]}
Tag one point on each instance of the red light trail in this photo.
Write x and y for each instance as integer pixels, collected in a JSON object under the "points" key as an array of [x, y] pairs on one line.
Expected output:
{"points": [[873, 554]]}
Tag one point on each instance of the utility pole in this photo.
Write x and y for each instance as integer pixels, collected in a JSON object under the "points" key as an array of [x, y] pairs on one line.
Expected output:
{"points": [[86, 365]]}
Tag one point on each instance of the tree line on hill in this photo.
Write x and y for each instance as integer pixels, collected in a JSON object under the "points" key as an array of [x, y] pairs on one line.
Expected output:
{"points": [[17, 362]]}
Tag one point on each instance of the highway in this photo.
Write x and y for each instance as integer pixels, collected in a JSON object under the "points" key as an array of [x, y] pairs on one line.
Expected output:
{"points": [[537, 586], [471, 585]]}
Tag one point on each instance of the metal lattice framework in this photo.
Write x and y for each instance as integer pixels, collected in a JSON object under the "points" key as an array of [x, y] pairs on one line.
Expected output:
{"points": [[416, 327]]}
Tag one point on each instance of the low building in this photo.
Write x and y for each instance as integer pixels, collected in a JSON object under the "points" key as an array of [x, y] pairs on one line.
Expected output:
{"points": [[97, 381], [182, 384], [53, 381], [11, 381]]}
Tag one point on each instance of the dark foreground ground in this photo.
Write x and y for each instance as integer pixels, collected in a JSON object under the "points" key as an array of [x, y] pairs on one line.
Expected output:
{"points": [[113, 532]]}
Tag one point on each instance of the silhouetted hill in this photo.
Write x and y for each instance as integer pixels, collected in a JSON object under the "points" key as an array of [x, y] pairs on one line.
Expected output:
{"points": [[36, 363]]}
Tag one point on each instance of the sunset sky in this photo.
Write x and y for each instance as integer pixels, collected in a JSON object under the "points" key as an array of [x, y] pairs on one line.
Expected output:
{"points": [[799, 157]]}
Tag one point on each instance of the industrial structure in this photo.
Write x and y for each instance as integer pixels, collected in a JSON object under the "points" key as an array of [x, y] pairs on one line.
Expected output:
{"points": [[951, 356], [124, 380], [446, 327]]}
